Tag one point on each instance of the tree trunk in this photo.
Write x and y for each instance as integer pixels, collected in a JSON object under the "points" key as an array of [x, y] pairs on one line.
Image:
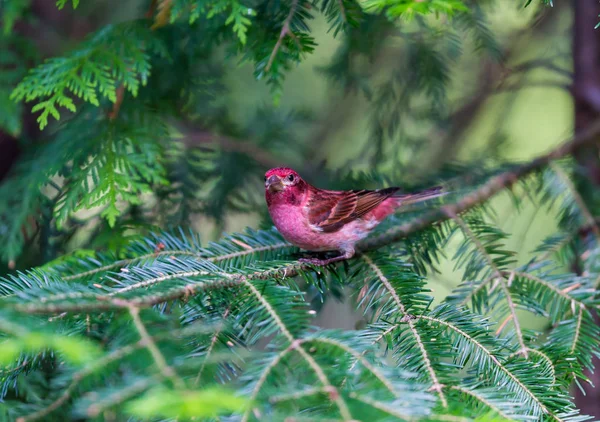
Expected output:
{"points": [[586, 96]]}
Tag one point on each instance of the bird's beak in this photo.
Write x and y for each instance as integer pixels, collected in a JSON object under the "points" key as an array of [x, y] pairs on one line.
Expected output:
{"points": [[273, 184]]}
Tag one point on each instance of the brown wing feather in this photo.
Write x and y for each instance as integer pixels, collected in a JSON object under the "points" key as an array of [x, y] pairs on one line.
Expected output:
{"points": [[331, 210]]}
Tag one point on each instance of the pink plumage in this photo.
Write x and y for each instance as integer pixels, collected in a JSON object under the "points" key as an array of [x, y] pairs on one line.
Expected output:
{"points": [[324, 220]]}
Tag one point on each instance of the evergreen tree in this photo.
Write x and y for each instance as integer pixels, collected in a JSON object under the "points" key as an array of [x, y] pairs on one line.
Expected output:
{"points": [[113, 308]]}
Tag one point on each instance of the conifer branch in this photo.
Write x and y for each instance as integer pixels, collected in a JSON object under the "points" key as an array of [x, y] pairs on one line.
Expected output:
{"points": [[498, 276], [79, 376], [167, 371], [542, 355], [559, 292], [296, 345], [480, 247], [513, 311], [126, 262], [493, 358], [263, 377], [121, 396], [285, 31], [178, 252], [590, 221], [384, 407], [211, 346], [483, 193], [436, 385], [491, 187], [298, 395], [480, 399], [577, 329], [359, 358]]}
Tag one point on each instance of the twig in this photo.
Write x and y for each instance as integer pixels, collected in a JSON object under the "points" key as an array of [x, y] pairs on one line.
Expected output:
{"points": [[513, 311], [342, 10], [112, 115], [590, 221], [213, 342], [492, 357], [436, 385], [481, 399], [285, 30], [396, 234], [489, 189], [158, 357]]}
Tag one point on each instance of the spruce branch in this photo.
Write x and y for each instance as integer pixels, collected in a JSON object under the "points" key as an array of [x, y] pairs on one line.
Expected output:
{"points": [[79, 376], [504, 284], [296, 345], [481, 399], [491, 356], [497, 183], [436, 385], [384, 407], [590, 221], [285, 31], [166, 370], [483, 193]]}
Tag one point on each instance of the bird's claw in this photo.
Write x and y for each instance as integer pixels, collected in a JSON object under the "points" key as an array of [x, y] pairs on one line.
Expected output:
{"points": [[314, 261]]}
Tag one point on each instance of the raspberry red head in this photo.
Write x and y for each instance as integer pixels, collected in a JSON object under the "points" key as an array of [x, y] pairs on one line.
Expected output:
{"points": [[284, 185], [281, 172]]}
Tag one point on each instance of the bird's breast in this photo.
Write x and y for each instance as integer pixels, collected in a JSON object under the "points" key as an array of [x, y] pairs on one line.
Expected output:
{"points": [[292, 223]]}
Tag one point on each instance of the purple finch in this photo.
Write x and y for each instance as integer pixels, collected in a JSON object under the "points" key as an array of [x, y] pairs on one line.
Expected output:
{"points": [[325, 220]]}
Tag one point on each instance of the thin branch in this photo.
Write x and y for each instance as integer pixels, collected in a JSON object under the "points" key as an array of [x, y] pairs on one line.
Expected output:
{"points": [[481, 399], [297, 346], [492, 358], [213, 342], [483, 193], [121, 396], [542, 63], [79, 376], [112, 115], [247, 147], [499, 276], [480, 247], [476, 290], [167, 371], [513, 311], [298, 395], [359, 358], [533, 84], [562, 293], [437, 386], [587, 215], [543, 355], [379, 337], [217, 258], [577, 330], [285, 30], [263, 377], [393, 235], [384, 407]]}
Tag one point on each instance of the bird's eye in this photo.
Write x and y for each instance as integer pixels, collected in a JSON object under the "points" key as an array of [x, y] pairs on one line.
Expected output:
{"points": [[265, 178], [291, 177]]}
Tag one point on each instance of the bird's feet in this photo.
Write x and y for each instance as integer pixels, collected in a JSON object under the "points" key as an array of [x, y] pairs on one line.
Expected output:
{"points": [[323, 262]]}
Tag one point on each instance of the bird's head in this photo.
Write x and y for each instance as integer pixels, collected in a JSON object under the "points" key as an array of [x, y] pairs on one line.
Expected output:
{"points": [[283, 184]]}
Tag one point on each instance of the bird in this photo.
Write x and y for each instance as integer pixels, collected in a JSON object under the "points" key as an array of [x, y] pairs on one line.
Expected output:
{"points": [[320, 220]]}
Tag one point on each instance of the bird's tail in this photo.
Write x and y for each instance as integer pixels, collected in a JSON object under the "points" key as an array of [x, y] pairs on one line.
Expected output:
{"points": [[411, 198]]}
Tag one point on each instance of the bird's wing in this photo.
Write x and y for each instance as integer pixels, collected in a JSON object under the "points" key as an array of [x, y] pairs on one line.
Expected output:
{"points": [[330, 210]]}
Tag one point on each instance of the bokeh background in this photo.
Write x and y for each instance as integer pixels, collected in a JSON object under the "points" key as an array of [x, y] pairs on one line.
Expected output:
{"points": [[498, 90]]}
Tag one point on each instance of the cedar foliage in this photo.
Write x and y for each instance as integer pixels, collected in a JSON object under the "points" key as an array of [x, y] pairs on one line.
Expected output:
{"points": [[144, 321]]}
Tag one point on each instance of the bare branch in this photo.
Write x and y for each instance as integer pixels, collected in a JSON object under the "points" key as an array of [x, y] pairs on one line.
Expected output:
{"points": [[285, 30]]}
